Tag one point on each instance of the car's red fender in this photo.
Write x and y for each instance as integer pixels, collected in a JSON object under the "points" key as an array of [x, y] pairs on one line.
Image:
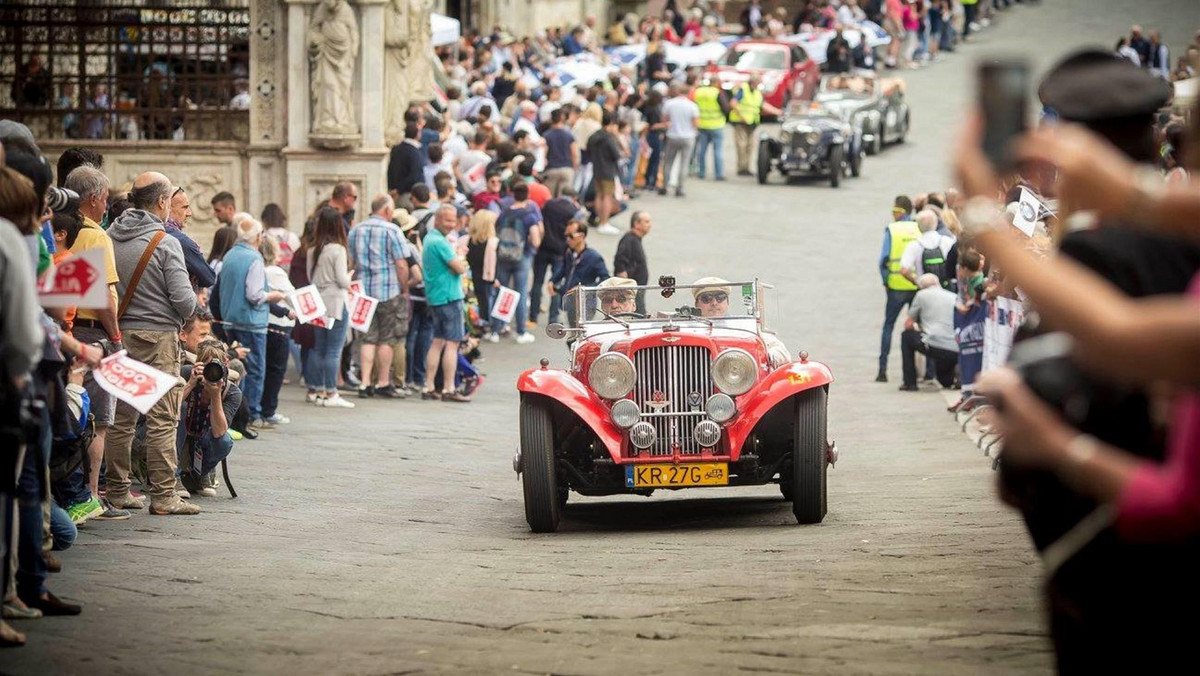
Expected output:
{"points": [[784, 382], [564, 388]]}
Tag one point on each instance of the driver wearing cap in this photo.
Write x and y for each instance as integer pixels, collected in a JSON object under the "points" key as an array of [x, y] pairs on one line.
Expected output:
{"points": [[712, 296], [617, 295]]}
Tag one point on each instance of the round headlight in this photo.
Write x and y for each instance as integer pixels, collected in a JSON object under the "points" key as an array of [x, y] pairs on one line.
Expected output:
{"points": [[642, 435], [734, 372], [812, 137], [720, 407], [611, 375], [625, 414], [707, 433]]}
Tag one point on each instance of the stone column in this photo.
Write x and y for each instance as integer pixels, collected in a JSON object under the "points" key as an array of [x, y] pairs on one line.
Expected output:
{"points": [[299, 95], [371, 74]]}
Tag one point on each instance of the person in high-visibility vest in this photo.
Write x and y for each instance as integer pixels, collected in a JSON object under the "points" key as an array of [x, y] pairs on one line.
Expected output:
{"points": [[745, 113], [900, 290], [713, 104]]}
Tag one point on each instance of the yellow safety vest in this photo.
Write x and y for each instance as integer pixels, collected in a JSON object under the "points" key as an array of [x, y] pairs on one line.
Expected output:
{"points": [[749, 109], [711, 115], [903, 233]]}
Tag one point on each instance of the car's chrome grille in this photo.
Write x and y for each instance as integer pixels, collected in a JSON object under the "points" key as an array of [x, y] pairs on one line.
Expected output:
{"points": [[673, 382]]}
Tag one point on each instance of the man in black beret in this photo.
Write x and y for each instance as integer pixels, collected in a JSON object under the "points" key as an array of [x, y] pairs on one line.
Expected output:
{"points": [[1097, 596]]}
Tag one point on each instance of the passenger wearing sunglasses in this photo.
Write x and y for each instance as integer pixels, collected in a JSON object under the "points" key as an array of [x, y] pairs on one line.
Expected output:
{"points": [[712, 297]]}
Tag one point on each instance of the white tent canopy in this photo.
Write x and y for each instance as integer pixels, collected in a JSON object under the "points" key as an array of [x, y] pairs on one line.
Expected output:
{"points": [[446, 30]]}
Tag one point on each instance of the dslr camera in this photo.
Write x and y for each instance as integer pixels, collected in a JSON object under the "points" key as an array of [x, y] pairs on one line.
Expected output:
{"points": [[62, 200], [215, 371]]}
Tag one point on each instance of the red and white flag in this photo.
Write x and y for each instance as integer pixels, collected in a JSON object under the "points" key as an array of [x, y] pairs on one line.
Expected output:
{"points": [[78, 281], [307, 304], [362, 311], [131, 381], [506, 304]]}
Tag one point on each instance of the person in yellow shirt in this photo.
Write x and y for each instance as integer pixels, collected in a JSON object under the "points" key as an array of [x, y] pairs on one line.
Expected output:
{"points": [[714, 106], [91, 325], [745, 113]]}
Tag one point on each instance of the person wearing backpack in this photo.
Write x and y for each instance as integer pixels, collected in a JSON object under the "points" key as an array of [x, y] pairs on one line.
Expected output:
{"points": [[929, 253], [519, 230]]}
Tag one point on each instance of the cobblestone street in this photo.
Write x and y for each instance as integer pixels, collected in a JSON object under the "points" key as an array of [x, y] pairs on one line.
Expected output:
{"points": [[391, 539]]}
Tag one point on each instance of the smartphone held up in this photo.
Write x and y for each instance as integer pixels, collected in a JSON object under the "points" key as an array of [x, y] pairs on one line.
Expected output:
{"points": [[1004, 105]]}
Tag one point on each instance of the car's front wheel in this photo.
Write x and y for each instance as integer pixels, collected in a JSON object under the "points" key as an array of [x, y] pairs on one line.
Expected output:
{"points": [[809, 458], [837, 155], [856, 160], [539, 472], [764, 162]]}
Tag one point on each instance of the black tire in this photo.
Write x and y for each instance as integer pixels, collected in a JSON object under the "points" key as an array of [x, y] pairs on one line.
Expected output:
{"points": [[539, 469], [836, 155], [877, 142], [809, 499], [764, 162], [856, 163], [785, 487], [904, 130]]}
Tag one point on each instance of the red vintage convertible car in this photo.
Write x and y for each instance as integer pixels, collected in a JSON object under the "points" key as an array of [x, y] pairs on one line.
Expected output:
{"points": [[787, 72], [691, 391]]}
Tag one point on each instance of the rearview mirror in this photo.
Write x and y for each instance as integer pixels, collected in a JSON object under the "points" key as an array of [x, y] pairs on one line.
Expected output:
{"points": [[556, 331]]}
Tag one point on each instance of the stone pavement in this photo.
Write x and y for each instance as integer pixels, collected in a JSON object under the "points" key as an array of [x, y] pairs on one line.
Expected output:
{"points": [[391, 539]]}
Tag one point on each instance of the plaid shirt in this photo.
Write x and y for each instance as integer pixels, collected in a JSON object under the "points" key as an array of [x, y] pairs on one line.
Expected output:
{"points": [[375, 246]]}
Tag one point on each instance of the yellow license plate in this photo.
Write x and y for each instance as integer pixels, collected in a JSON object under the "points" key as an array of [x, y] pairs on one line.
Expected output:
{"points": [[677, 476]]}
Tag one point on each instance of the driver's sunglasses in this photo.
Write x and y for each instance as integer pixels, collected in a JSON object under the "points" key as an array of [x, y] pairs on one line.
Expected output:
{"points": [[617, 298], [715, 297]]}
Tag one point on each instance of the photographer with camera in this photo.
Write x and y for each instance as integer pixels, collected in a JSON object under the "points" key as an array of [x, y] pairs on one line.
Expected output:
{"points": [[203, 439]]}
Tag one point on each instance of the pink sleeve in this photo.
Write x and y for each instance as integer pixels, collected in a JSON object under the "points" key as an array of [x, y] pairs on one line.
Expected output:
{"points": [[489, 259], [1162, 502]]}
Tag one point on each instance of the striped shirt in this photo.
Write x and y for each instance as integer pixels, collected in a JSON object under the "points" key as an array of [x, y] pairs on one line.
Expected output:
{"points": [[375, 246]]}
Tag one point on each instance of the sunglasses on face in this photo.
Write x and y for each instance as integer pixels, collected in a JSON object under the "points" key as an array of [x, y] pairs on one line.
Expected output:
{"points": [[713, 297], [618, 298]]}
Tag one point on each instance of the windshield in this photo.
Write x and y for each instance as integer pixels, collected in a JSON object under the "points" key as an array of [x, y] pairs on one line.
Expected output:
{"points": [[756, 58], [848, 85], [644, 305]]}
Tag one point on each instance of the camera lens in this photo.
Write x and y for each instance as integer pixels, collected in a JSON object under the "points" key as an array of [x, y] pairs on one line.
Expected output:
{"points": [[214, 372]]}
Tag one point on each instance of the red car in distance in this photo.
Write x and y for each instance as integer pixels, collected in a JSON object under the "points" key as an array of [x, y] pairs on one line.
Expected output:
{"points": [[786, 71]]}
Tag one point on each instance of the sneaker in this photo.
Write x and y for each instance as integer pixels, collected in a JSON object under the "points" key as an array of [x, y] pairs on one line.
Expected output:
{"points": [[455, 396], [366, 392], [181, 490], [127, 502], [111, 513], [351, 380], [261, 424], [336, 401], [83, 511], [491, 337], [235, 435], [174, 507], [524, 338], [531, 325], [389, 392], [882, 377], [909, 388], [279, 419], [470, 385], [311, 397], [607, 229]]}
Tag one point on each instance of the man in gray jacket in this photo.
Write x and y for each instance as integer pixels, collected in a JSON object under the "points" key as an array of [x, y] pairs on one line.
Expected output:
{"points": [[930, 331], [152, 308]]}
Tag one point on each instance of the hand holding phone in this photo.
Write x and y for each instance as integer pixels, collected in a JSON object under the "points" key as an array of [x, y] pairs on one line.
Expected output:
{"points": [[1004, 105]]}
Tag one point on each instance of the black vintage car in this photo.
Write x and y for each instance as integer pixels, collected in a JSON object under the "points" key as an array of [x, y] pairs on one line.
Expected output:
{"points": [[874, 105], [812, 141]]}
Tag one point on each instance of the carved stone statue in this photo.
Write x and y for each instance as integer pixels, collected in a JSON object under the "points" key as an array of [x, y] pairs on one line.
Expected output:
{"points": [[396, 57], [333, 49], [420, 72]]}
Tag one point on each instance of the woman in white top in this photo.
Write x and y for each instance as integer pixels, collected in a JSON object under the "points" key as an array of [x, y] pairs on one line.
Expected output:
{"points": [[329, 271], [279, 332], [275, 223]]}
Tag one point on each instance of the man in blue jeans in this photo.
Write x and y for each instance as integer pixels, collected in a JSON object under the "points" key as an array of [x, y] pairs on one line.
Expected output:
{"points": [[245, 300], [519, 229], [900, 289]]}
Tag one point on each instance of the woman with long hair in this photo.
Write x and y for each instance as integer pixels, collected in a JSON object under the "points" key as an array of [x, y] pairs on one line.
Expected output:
{"points": [[302, 334], [481, 258], [328, 268], [223, 241]]}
